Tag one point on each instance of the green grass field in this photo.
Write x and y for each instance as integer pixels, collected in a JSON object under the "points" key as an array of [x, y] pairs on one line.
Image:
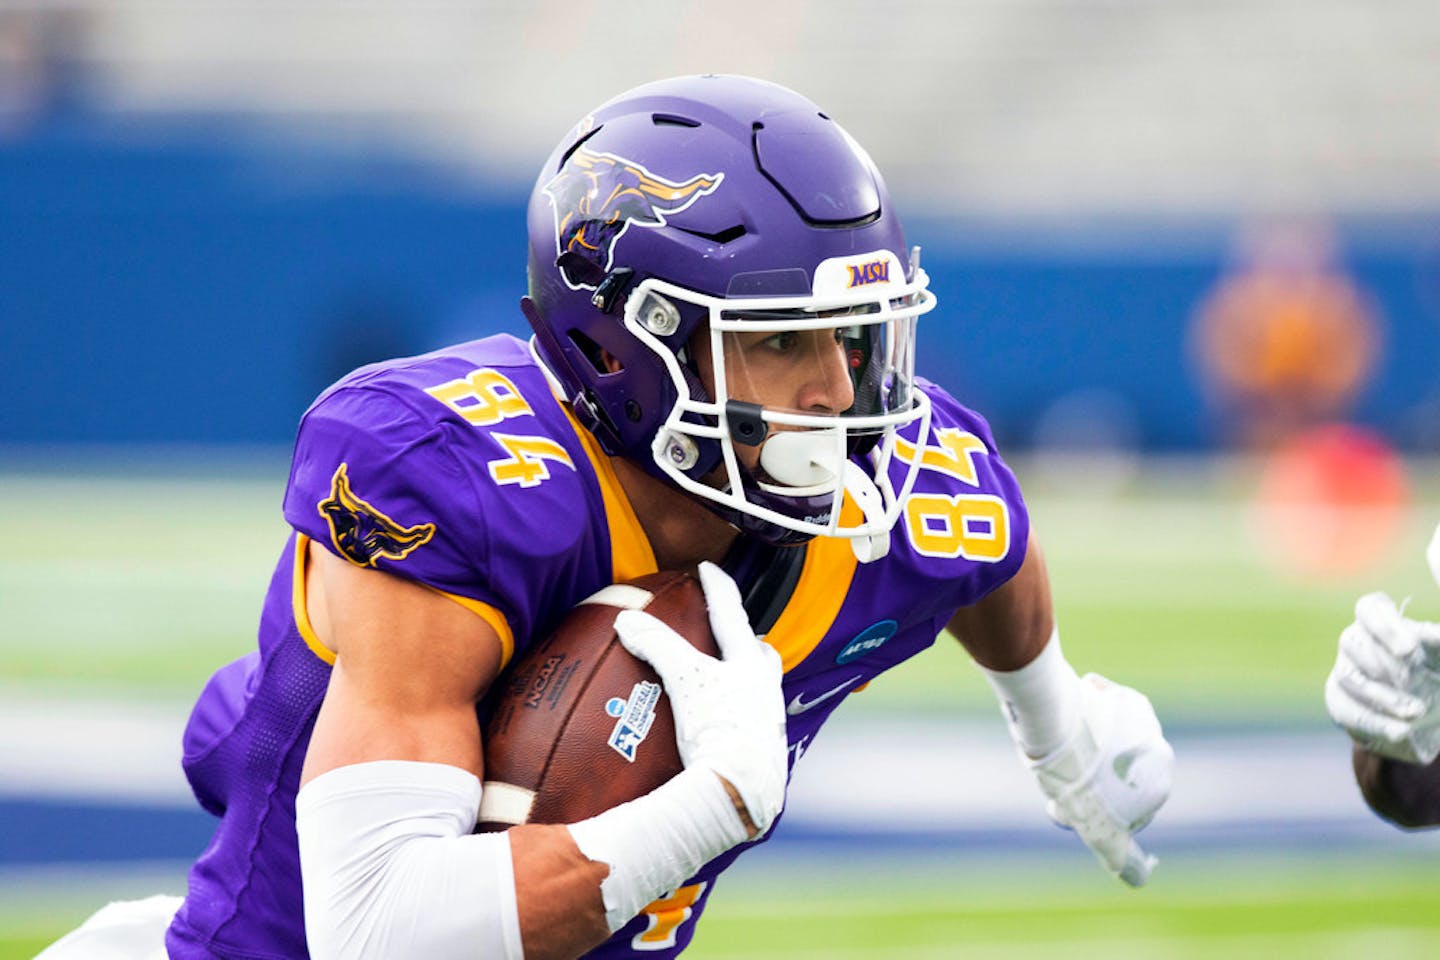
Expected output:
{"points": [[138, 585], [1201, 910]]}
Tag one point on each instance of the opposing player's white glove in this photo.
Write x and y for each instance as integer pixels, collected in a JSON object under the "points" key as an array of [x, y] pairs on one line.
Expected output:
{"points": [[1432, 555], [1385, 687], [1111, 776], [729, 712]]}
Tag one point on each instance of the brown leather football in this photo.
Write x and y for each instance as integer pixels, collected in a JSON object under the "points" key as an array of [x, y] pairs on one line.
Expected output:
{"points": [[580, 725]]}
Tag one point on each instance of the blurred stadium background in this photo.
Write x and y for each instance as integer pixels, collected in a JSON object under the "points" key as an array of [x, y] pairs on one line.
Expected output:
{"points": [[1188, 262]]}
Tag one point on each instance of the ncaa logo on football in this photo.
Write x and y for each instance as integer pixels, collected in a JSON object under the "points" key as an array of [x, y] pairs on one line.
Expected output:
{"points": [[869, 640], [541, 681]]}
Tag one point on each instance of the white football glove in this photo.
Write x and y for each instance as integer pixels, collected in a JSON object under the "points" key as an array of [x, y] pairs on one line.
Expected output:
{"points": [[1432, 555], [1111, 776], [1385, 687], [729, 713]]}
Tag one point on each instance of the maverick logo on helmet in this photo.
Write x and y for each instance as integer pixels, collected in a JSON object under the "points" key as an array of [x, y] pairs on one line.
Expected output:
{"points": [[597, 196]]}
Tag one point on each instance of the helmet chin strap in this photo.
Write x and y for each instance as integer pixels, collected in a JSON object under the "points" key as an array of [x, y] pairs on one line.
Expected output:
{"points": [[866, 495], [805, 459]]}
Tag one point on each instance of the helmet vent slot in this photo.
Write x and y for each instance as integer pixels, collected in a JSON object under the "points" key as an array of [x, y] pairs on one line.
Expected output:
{"points": [[672, 120], [577, 145], [722, 237]]}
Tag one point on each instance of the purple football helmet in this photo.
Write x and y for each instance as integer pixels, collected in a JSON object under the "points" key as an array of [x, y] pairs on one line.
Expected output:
{"points": [[734, 206]]}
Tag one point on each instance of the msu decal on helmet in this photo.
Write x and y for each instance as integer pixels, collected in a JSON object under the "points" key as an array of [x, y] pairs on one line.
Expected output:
{"points": [[362, 533], [597, 196]]}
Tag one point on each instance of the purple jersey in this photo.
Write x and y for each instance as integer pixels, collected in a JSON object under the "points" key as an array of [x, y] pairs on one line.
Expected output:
{"points": [[461, 470]]}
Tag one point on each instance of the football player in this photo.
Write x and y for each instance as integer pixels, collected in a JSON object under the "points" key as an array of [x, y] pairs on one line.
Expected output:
{"points": [[1385, 692], [722, 376]]}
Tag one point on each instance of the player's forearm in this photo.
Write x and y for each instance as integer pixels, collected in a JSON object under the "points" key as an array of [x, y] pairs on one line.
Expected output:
{"points": [[391, 868], [1040, 701], [653, 844], [557, 892], [1071, 731], [1406, 794], [562, 894], [1009, 628], [1011, 635]]}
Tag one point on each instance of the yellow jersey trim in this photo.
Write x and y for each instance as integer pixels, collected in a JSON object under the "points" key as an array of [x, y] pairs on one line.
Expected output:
{"points": [[824, 583], [493, 617], [631, 555], [300, 612], [298, 609]]}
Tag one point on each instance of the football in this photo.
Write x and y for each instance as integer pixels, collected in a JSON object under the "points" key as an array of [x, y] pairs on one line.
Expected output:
{"points": [[579, 724]]}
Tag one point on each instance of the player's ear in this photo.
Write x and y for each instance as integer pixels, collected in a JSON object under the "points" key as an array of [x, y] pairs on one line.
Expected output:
{"points": [[611, 362]]}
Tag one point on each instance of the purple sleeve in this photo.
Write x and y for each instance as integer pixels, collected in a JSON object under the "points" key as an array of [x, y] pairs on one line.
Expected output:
{"points": [[374, 480], [973, 577]]}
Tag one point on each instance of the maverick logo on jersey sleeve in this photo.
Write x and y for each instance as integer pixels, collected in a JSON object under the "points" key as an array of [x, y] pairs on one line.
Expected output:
{"points": [[362, 533], [597, 196]]}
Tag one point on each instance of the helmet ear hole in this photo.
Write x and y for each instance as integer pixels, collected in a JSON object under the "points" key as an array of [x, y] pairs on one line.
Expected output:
{"points": [[601, 359], [579, 269]]}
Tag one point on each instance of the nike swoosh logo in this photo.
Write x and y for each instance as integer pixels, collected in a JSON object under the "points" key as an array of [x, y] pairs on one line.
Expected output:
{"points": [[799, 705]]}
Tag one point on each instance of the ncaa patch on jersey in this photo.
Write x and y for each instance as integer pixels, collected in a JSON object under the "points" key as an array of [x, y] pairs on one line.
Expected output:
{"points": [[869, 640], [635, 715]]}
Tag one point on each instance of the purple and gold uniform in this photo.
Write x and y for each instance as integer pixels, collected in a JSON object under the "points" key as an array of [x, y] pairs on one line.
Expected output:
{"points": [[460, 470]]}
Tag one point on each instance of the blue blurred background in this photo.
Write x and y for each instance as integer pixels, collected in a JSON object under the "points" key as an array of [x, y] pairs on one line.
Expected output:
{"points": [[208, 212]]}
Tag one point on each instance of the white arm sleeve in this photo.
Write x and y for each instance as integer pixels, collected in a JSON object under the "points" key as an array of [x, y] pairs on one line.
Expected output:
{"points": [[1040, 701], [654, 843], [391, 869]]}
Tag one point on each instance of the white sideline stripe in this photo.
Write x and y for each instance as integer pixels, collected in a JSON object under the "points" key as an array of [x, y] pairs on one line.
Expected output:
{"points": [[968, 773], [621, 595], [120, 751], [505, 803], [958, 772]]}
